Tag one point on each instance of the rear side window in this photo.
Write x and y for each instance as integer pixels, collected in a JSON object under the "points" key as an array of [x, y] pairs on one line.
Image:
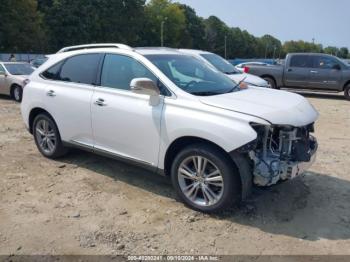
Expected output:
{"points": [[300, 61], [81, 69], [53, 72]]}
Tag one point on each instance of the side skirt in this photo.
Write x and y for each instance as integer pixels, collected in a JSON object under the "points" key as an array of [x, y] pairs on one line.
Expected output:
{"points": [[131, 161]]}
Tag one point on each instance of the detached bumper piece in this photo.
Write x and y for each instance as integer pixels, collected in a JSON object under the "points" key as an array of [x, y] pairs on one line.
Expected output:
{"points": [[282, 153]]}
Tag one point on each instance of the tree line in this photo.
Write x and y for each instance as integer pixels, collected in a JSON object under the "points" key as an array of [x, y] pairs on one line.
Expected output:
{"points": [[45, 26]]}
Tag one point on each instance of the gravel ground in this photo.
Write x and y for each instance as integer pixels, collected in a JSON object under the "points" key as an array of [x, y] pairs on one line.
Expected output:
{"points": [[86, 204]]}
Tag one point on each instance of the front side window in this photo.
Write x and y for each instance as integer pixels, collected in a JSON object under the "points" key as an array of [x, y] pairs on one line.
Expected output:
{"points": [[118, 71], [323, 62], [193, 75], [81, 69], [19, 69], [300, 61], [220, 64]]}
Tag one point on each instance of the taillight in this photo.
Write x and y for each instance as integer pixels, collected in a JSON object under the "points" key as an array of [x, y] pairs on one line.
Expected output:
{"points": [[25, 82], [246, 69]]}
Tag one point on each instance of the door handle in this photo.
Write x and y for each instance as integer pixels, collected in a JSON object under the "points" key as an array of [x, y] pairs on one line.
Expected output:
{"points": [[289, 70], [51, 93], [314, 72], [100, 102]]}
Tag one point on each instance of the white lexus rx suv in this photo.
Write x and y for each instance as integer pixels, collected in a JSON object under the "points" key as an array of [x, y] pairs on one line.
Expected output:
{"points": [[172, 113]]}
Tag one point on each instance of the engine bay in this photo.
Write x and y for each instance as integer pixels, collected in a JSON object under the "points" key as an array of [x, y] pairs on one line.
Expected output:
{"points": [[282, 152]]}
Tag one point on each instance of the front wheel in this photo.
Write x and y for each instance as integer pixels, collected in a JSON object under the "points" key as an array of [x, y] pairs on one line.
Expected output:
{"points": [[47, 137], [347, 92], [205, 178], [17, 93]]}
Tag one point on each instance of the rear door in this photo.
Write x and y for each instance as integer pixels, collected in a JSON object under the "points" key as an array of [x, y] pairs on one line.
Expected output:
{"points": [[68, 96], [326, 73], [297, 72]]}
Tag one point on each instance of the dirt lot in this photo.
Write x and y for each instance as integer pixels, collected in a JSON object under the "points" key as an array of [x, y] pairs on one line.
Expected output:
{"points": [[86, 204]]}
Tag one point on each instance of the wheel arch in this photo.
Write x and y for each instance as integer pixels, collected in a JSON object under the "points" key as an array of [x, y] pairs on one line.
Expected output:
{"points": [[13, 85], [269, 76], [239, 161], [346, 84], [32, 115]]}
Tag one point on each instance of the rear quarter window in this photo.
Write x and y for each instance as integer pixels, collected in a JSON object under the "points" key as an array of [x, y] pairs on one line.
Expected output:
{"points": [[81, 69]]}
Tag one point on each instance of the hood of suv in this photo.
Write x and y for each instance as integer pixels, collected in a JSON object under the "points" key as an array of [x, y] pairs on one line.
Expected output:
{"points": [[277, 107]]}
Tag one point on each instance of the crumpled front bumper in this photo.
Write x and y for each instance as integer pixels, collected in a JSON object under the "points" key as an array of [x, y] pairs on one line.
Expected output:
{"points": [[301, 167], [272, 170]]}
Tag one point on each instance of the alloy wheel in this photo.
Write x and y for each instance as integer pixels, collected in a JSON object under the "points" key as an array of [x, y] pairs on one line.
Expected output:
{"points": [[200, 181], [46, 136]]}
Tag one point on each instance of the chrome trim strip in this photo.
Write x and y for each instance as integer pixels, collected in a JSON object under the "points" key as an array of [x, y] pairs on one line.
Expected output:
{"points": [[128, 158]]}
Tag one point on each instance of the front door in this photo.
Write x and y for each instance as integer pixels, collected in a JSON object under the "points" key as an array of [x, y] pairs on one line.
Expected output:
{"points": [[125, 124], [326, 73]]}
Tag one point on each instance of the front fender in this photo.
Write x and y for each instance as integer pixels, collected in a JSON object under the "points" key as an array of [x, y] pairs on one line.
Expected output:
{"points": [[228, 130]]}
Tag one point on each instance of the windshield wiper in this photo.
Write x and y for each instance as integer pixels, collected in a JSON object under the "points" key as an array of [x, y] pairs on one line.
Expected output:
{"points": [[205, 93], [239, 83]]}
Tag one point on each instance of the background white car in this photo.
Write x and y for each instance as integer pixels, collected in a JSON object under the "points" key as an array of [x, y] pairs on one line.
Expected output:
{"points": [[13, 76], [226, 67]]}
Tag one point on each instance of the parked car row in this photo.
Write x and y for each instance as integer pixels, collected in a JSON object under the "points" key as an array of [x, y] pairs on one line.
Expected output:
{"points": [[175, 113]]}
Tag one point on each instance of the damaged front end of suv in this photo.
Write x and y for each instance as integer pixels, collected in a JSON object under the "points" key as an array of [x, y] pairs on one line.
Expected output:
{"points": [[281, 152]]}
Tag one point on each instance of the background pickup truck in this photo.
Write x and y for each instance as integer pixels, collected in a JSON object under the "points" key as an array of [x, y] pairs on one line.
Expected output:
{"points": [[307, 71]]}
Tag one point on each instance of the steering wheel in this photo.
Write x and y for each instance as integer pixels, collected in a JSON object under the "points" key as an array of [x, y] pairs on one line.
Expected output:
{"points": [[189, 84]]}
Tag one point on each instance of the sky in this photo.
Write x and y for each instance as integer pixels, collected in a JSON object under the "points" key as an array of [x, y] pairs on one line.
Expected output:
{"points": [[327, 21]]}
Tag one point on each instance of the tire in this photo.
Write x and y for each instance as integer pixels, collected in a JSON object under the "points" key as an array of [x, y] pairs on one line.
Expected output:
{"points": [[17, 93], [225, 195], [347, 92], [271, 82], [47, 137]]}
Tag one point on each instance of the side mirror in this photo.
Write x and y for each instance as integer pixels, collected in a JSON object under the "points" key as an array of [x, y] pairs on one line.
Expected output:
{"points": [[336, 67], [144, 86]]}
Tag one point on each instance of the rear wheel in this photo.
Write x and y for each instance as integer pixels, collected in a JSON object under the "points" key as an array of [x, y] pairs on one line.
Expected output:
{"points": [[271, 82], [16, 93], [205, 179], [47, 137], [347, 92]]}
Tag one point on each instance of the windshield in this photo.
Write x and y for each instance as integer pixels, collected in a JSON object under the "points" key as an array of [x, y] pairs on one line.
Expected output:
{"points": [[19, 69], [192, 75], [220, 64]]}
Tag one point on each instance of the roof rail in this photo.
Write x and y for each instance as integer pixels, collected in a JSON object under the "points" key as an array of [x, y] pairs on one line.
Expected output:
{"points": [[91, 46]]}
